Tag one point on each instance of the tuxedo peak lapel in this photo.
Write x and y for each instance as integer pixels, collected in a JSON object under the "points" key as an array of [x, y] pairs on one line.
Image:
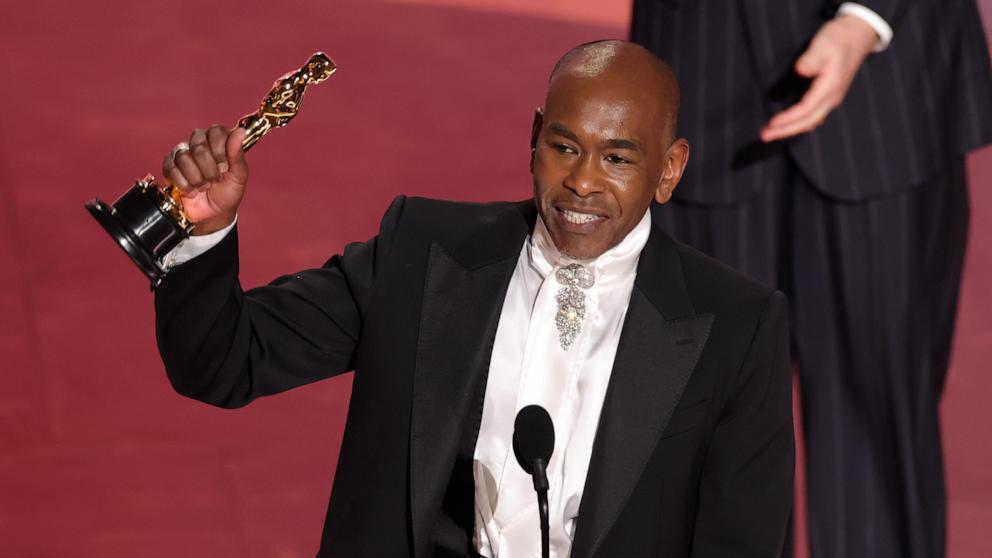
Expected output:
{"points": [[497, 236], [464, 291], [661, 279], [661, 342]]}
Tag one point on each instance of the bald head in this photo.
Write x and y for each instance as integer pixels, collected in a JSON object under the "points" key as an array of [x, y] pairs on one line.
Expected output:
{"points": [[604, 145], [624, 66]]}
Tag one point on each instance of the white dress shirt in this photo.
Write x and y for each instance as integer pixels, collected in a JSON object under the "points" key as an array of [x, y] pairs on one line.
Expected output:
{"points": [[529, 366], [194, 246], [881, 27]]}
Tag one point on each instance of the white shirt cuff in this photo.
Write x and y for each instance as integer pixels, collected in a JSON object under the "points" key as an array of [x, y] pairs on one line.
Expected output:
{"points": [[194, 246], [881, 27]]}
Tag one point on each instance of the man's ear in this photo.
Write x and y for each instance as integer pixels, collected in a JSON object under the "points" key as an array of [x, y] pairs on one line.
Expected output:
{"points": [[535, 129], [535, 132], [676, 158]]}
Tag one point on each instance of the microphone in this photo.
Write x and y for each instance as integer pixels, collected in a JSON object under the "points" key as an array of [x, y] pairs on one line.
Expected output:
{"points": [[533, 443]]}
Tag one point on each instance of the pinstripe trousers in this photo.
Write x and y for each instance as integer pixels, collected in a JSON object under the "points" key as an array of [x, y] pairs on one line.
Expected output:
{"points": [[874, 290]]}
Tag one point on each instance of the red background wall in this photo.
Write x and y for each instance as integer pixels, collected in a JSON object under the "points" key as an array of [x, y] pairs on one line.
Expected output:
{"points": [[98, 457]]}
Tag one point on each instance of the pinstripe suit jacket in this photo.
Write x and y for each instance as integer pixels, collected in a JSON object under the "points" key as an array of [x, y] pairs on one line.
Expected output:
{"points": [[911, 109]]}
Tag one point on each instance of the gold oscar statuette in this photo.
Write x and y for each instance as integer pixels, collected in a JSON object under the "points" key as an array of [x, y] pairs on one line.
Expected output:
{"points": [[148, 220]]}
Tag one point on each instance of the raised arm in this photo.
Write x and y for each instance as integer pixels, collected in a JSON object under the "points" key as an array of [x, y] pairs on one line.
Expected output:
{"points": [[226, 347]]}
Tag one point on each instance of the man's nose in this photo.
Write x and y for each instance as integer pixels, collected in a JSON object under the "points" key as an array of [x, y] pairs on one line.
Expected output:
{"points": [[583, 178]]}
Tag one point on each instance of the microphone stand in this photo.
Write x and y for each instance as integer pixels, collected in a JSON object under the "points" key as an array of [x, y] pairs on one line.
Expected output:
{"points": [[541, 485]]}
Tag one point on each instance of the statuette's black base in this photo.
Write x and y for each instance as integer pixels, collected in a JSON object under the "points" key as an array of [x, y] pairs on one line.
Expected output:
{"points": [[140, 225]]}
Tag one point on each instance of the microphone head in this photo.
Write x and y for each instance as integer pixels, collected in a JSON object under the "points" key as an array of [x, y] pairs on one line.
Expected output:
{"points": [[533, 436]]}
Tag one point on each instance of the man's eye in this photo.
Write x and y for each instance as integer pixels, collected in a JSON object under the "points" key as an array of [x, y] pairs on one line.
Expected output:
{"points": [[617, 160], [562, 148]]}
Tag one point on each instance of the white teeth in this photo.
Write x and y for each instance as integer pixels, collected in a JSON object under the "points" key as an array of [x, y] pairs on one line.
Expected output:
{"points": [[577, 218]]}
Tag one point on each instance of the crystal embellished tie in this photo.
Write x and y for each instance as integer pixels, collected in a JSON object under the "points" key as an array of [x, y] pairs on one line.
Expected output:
{"points": [[571, 299]]}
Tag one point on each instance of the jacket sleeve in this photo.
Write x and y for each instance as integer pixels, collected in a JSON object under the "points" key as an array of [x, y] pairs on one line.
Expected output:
{"points": [[745, 491], [226, 347]]}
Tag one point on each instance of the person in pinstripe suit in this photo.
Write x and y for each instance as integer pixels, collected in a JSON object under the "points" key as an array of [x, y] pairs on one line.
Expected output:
{"points": [[837, 174]]}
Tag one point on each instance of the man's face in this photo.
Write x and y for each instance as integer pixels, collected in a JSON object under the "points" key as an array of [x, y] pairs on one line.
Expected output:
{"points": [[597, 164]]}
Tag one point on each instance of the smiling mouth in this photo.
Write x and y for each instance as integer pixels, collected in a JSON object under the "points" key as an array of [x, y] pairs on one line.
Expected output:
{"points": [[577, 218]]}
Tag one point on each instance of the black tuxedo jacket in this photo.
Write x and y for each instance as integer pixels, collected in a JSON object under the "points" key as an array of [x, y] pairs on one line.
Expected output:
{"points": [[694, 452], [911, 110]]}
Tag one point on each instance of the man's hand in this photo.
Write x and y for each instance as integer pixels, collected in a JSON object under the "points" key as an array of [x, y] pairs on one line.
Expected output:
{"points": [[831, 61], [211, 172]]}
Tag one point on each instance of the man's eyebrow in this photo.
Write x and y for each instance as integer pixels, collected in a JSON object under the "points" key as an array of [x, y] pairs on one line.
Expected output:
{"points": [[623, 144], [563, 131], [619, 143]]}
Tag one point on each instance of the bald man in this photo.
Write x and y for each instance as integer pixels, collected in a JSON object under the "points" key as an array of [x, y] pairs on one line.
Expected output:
{"points": [[665, 373]]}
